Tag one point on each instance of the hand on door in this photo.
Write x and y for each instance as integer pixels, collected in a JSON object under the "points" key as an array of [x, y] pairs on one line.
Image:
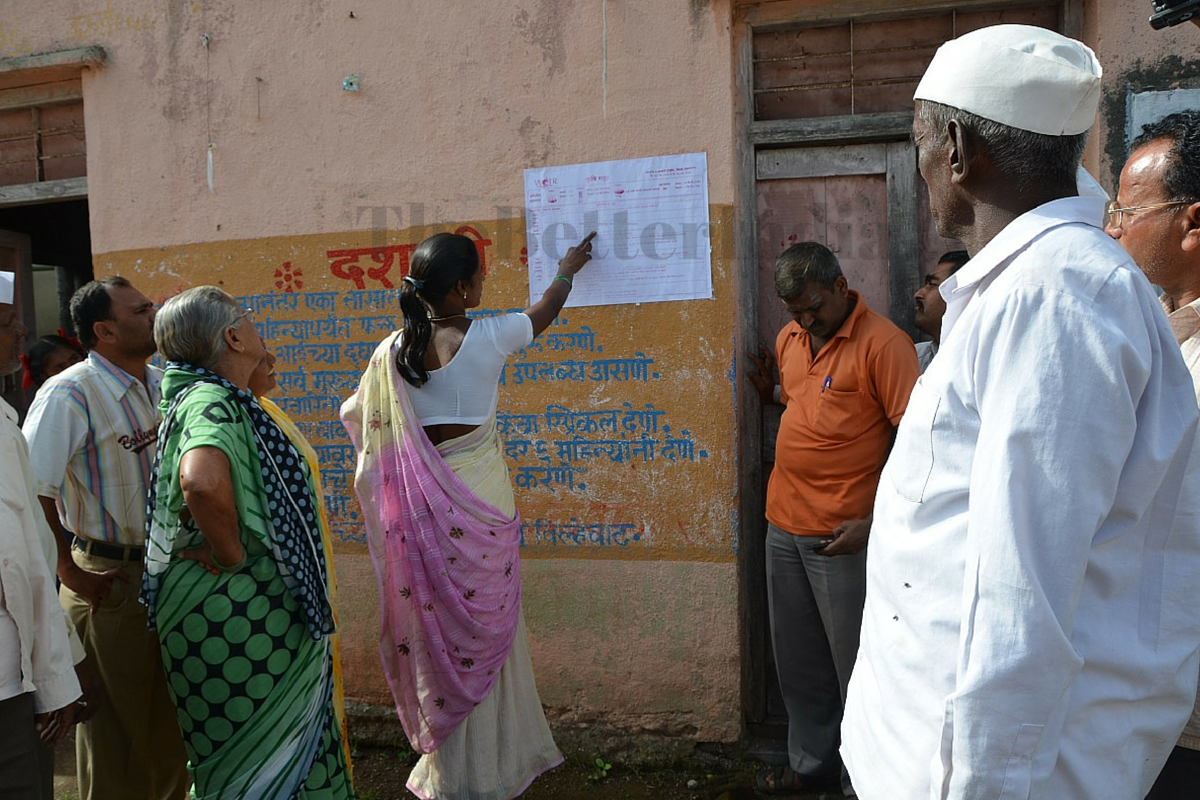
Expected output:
{"points": [[763, 377]]}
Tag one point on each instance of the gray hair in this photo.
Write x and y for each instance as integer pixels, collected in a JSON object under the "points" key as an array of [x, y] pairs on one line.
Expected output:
{"points": [[1026, 159], [191, 326], [804, 263]]}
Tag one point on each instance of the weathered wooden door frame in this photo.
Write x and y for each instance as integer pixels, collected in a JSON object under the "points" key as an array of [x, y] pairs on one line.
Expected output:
{"points": [[754, 137], [10, 385], [897, 161], [22, 244]]}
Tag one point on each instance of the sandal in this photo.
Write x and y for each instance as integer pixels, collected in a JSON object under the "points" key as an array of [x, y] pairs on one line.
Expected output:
{"points": [[783, 781]]}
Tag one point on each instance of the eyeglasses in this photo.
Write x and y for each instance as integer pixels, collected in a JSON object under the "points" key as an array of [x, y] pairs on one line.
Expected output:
{"points": [[248, 313], [1114, 213]]}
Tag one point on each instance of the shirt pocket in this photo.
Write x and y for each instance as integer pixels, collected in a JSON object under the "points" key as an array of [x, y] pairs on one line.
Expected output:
{"points": [[839, 416], [911, 462]]}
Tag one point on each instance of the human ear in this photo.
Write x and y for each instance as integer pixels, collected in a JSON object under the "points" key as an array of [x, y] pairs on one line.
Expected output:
{"points": [[233, 341], [1191, 233], [103, 331], [959, 150]]}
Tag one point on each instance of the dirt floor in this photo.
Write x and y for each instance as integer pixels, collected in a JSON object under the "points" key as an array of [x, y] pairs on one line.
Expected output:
{"points": [[380, 773]]}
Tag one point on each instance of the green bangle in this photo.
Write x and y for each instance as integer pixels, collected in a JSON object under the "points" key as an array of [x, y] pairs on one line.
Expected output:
{"points": [[566, 278], [234, 568]]}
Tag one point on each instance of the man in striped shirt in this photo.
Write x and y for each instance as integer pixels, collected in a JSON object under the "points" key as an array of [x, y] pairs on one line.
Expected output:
{"points": [[92, 431]]}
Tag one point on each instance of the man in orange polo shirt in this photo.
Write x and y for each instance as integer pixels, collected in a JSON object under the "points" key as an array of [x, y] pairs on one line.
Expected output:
{"points": [[845, 373]]}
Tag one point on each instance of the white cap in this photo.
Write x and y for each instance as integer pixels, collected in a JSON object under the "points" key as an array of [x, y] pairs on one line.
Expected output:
{"points": [[1018, 75], [8, 287]]}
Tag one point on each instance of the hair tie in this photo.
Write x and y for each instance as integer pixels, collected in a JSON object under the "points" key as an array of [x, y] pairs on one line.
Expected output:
{"points": [[417, 283], [72, 339], [27, 379]]}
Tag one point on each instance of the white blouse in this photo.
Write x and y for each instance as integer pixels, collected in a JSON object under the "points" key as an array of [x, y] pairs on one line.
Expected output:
{"points": [[464, 391]]}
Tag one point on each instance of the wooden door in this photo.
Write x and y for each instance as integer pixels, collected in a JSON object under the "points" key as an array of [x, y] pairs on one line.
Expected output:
{"points": [[825, 113], [800, 200], [16, 257], [860, 201]]}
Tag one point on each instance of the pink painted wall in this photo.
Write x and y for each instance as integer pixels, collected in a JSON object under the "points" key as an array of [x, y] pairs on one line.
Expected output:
{"points": [[456, 100]]}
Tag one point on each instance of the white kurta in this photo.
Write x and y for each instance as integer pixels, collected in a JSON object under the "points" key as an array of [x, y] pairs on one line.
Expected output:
{"points": [[1033, 578], [35, 635]]}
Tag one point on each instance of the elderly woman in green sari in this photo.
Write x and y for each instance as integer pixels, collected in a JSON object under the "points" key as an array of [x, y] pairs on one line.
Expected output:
{"points": [[238, 579]]}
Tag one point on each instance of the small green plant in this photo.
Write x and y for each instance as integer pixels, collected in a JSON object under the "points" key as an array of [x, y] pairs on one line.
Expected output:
{"points": [[600, 769]]}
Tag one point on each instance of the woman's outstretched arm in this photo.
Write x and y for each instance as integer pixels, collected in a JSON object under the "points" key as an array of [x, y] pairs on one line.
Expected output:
{"points": [[543, 312]]}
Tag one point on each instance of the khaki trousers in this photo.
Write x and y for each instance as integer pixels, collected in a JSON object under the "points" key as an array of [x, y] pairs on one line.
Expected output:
{"points": [[132, 748]]}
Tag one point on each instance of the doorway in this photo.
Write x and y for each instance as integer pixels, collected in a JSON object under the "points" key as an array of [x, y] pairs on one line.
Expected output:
{"points": [[49, 246], [825, 114], [852, 199]]}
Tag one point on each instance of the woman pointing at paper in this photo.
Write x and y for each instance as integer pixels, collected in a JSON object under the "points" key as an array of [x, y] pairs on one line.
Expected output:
{"points": [[443, 528]]}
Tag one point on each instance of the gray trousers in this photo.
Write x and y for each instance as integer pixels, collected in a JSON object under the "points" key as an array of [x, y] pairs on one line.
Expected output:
{"points": [[816, 605], [20, 778]]}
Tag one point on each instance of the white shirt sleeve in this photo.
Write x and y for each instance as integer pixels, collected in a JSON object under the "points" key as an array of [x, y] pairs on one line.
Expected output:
{"points": [[44, 649], [512, 332], [1058, 385], [50, 552], [56, 429]]}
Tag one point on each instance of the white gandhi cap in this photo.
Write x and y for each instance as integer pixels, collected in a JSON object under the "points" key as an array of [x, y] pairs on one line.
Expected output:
{"points": [[7, 287], [1018, 75]]}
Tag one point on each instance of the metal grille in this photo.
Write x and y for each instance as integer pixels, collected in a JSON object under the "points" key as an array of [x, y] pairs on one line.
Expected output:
{"points": [[862, 66], [42, 143]]}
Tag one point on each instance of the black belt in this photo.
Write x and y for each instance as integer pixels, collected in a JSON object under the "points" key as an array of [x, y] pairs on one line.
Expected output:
{"points": [[117, 552]]}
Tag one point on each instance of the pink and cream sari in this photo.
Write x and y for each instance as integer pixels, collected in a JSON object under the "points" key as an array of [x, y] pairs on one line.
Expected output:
{"points": [[444, 538]]}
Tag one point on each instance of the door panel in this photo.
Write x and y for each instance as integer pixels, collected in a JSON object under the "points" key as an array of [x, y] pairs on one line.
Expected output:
{"points": [[16, 257], [846, 214], [837, 196]]}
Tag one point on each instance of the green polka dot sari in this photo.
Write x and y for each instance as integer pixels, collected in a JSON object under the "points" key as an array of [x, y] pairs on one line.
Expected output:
{"points": [[253, 690]]}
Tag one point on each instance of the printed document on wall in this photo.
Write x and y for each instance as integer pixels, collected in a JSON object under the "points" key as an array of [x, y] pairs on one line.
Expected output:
{"points": [[651, 221]]}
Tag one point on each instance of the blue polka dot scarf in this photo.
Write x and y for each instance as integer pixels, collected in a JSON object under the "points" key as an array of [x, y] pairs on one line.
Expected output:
{"points": [[294, 534]]}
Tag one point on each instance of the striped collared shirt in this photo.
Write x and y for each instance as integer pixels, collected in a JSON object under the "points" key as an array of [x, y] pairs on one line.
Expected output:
{"points": [[92, 431], [1185, 323]]}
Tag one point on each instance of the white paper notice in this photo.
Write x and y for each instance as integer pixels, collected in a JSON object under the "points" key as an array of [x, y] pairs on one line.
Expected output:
{"points": [[651, 218]]}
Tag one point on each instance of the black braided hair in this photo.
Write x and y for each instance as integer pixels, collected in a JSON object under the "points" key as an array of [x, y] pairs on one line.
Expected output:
{"points": [[438, 263]]}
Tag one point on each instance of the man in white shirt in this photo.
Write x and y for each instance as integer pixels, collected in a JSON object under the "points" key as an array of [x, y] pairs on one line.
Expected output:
{"points": [[1030, 628], [38, 687], [929, 306], [92, 430], [1156, 218]]}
